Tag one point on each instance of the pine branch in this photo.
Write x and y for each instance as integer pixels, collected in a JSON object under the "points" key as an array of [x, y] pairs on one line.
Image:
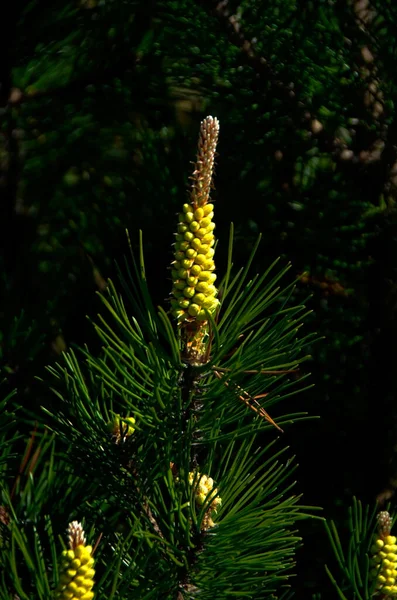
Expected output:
{"points": [[287, 93]]}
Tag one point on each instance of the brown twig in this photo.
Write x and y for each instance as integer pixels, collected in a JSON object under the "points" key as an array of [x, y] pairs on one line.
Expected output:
{"points": [[97, 543], [250, 401], [26, 459]]}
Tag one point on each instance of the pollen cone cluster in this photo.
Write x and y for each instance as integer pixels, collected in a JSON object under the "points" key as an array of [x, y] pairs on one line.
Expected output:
{"points": [[205, 489], [193, 290], [384, 558], [76, 573]]}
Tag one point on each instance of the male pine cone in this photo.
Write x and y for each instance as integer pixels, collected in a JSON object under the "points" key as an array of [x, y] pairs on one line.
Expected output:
{"points": [[383, 563], [76, 578], [193, 291]]}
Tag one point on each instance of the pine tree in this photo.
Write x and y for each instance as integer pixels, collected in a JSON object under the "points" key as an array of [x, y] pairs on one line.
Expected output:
{"points": [[161, 457]]}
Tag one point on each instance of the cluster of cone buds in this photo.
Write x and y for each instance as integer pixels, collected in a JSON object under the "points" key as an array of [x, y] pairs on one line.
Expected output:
{"points": [[204, 490], [76, 578], [193, 269], [193, 290], [384, 558], [122, 427]]}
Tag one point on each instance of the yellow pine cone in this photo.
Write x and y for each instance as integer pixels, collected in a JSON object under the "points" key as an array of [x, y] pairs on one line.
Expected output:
{"points": [[205, 485], [76, 572], [384, 564], [193, 277], [192, 272], [123, 431]]}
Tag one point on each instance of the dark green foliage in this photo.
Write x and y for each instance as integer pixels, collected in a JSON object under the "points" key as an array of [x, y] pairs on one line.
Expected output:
{"points": [[128, 491], [353, 553]]}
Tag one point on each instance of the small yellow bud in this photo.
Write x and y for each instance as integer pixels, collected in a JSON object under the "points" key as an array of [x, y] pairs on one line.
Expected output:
{"points": [[89, 573], [386, 562], [205, 222], [200, 259], [189, 292], [71, 573], [193, 310], [208, 208], [208, 238], [204, 275], [198, 214], [183, 303], [210, 303], [188, 236], [392, 557], [186, 263], [194, 226], [195, 270], [201, 232], [196, 244], [199, 299], [202, 286]]}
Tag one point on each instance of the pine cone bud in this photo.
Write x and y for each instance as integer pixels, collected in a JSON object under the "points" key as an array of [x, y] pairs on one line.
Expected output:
{"points": [[193, 268], [76, 572], [204, 487], [121, 427], [384, 558]]}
